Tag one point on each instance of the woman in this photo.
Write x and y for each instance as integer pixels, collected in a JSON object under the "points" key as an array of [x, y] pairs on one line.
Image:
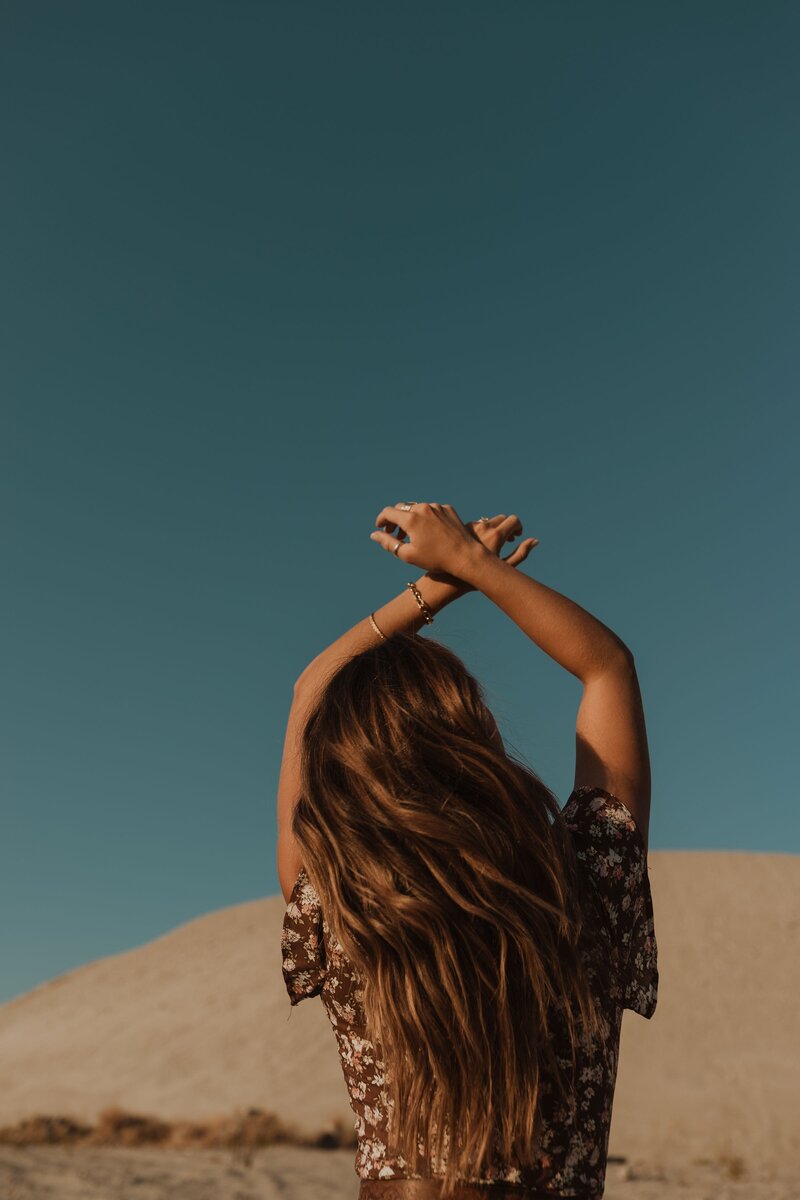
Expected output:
{"points": [[474, 943]]}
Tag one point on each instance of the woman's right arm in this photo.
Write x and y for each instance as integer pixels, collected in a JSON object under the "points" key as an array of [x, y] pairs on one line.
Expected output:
{"points": [[611, 736]]}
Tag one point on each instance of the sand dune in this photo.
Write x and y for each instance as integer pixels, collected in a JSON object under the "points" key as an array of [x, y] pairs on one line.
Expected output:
{"points": [[198, 1023]]}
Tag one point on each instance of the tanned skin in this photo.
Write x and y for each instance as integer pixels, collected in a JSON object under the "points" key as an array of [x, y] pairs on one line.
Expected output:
{"points": [[611, 739]]}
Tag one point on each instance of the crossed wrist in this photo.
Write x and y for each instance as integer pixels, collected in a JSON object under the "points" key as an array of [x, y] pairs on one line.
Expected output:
{"points": [[471, 564], [438, 592]]}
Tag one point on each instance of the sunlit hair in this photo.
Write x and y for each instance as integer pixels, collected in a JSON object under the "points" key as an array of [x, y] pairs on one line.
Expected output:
{"points": [[445, 870]]}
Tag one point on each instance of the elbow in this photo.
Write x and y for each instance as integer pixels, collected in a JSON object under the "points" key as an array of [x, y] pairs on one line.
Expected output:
{"points": [[299, 686], [623, 657], [302, 678], [302, 683], [611, 657], [617, 657]]}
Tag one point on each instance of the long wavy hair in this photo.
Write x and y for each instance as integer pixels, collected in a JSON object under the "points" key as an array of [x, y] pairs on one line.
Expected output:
{"points": [[445, 870]]}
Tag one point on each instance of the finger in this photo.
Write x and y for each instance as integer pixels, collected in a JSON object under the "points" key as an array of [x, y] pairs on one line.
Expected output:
{"points": [[388, 542], [401, 530], [510, 527], [391, 516], [489, 523], [521, 552], [396, 531], [390, 525], [515, 556]]}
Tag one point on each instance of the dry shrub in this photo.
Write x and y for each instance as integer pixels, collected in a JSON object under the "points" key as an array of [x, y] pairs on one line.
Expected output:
{"points": [[116, 1127], [732, 1165], [249, 1130], [339, 1136], [189, 1135], [44, 1131], [246, 1130]]}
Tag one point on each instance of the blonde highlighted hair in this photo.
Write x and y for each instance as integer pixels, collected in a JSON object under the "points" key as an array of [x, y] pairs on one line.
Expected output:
{"points": [[445, 870]]}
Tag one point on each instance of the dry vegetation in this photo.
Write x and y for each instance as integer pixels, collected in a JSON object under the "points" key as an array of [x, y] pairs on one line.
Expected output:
{"points": [[249, 1129], [246, 1130]]}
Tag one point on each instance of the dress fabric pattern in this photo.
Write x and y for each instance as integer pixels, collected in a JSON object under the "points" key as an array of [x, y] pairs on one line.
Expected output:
{"points": [[573, 1155]]}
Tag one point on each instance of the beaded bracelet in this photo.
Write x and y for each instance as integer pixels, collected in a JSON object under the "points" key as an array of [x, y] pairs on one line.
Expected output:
{"points": [[426, 612], [374, 625]]}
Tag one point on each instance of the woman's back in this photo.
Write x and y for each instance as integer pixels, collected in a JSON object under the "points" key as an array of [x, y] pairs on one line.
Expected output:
{"points": [[492, 937], [574, 1134]]}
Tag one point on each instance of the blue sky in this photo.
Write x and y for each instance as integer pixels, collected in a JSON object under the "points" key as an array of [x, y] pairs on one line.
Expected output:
{"points": [[270, 267]]}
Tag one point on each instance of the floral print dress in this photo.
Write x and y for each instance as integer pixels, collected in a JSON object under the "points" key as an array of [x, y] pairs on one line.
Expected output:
{"points": [[573, 1154]]}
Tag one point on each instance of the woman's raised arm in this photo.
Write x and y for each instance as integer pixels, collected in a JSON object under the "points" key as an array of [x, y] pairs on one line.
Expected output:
{"points": [[577, 641], [611, 750], [400, 613], [611, 735], [438, 588]]}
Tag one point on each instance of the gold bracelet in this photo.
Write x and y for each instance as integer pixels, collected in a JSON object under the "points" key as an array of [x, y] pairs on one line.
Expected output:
{"points": [[426, 612], [374, 625]]}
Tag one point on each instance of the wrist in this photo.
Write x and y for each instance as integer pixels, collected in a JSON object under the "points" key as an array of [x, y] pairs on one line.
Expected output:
{"points": [[437, 590], [474, 563]]}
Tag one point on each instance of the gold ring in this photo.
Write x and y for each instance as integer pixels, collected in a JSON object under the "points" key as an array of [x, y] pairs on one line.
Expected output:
{"points": [[397, 547]]}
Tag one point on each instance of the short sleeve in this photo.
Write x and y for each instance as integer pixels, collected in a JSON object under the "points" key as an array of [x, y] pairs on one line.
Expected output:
{"points": [[303, 942], [610, 847]]}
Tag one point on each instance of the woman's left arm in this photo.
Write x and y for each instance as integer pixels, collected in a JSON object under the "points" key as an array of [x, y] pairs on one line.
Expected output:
{"points": [[438, 587], [400, 613]]}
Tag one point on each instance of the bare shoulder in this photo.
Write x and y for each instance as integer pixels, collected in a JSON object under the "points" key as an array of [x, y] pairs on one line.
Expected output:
{"points": [[611, 748]]}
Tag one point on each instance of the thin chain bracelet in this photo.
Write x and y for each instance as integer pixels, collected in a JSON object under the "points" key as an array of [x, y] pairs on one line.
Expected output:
{"points": [[374, 625], [426, 612]]}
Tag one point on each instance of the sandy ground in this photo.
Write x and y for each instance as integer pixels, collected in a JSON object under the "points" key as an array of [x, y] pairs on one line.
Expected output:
{"points": [[197, 1024], [286, 1173]]}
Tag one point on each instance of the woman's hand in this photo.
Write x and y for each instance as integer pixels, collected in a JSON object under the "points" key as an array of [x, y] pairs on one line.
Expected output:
{"points": [[440, 542], [493, 534]]}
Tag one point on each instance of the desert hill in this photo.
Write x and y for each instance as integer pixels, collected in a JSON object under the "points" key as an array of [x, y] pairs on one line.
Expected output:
{"points": [[197, 1023]]}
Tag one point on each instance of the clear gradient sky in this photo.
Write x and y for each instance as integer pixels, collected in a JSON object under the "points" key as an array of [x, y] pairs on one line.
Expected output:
{"points": [[268, 267]]}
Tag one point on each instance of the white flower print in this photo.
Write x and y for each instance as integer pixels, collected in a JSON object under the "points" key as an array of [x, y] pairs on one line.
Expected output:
{"points": [[574, 1137]]}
